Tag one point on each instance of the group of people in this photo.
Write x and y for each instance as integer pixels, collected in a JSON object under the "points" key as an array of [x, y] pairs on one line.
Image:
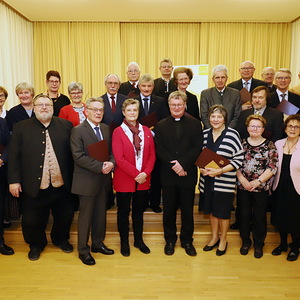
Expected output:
{"points": [[47, 157]]}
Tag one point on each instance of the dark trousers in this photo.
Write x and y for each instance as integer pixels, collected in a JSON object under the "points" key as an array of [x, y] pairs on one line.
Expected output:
{"points": [[36, 214], [3, 195], [92, 218], [139, 204], [252, 215], [173, 198]]}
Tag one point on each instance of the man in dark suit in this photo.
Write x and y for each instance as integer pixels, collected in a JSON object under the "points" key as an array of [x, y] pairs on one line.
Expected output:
{"points": [[178, 141], [91, 181], [274, 127], [283, 80], [220, 94], [40, 168], [130, 87], [113, 101], [247, 81], [165, 85], [267, 76], [150, 103]]}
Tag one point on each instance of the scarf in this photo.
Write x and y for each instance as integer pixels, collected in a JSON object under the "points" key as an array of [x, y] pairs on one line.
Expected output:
{"points": [[135, 131]]}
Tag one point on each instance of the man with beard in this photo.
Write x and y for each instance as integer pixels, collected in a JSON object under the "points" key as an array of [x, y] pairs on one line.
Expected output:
{"points": [[40, 170]]}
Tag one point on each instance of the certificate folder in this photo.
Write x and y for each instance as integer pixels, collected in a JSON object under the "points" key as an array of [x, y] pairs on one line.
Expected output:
{"points": [[245, 96], [99, 151], [150, 120], [287, 107], [210, 159]]}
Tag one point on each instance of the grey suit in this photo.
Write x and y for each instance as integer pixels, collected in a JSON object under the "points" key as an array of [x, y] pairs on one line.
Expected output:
{"points": [[90, 185], [230, 99]]}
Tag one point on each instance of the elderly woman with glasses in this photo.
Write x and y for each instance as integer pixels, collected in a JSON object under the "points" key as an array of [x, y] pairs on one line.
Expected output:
{"points": [[74, 112], [254, 183], [286, 208]]}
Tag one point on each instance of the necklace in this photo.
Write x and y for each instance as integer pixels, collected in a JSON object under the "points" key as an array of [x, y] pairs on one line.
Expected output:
{"points": [[290, 147]]}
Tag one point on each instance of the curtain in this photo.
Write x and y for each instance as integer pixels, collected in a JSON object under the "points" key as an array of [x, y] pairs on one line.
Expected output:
{"points": [[295, 50], [16, 52]]}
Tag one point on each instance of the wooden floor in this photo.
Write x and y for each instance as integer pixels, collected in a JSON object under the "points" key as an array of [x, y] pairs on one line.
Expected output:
{"points": [[60, 276]]}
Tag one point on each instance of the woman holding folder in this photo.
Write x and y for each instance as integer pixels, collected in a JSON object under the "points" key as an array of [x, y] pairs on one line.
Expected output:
{"points": [[134, 152], [217, 185]]}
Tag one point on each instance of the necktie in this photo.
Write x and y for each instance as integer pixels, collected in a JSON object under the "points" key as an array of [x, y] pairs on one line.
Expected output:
{"points": [[146, 106], [113, 103], [283, 96], [257, 112], [246, 84], [97, 129], [133, 85]]}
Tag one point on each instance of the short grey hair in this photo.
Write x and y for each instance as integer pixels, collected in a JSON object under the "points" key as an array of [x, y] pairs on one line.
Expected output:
{"points": [[177, 95], [247, 61], [219, 68], [25, 86], [283, 70], [266, 69], [93, 99], [133, 63], [112, 75], [146, 78], [75, 86]]}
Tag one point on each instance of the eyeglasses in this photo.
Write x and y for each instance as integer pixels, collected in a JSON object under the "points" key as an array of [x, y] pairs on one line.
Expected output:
{"points": [[255, 127], [75, 93], [293, 127], [54, 81], [247, 68], [95, 110], [2, 96], [41, 105], [176, 105], [283, 78], [166, 67]]}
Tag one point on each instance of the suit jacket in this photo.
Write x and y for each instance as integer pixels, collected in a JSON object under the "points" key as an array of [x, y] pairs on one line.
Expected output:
{"points": [[125, 170], [87, 177], [110, 116], [182, 141], [293, 98], [192, 105], [294, 165], [231, 101], [160, 88], [272, 88], [238, 84], [126, 88], [27, 148], [157, 104], [15, 115], [4, 139], [68, 113], [274, 127]]}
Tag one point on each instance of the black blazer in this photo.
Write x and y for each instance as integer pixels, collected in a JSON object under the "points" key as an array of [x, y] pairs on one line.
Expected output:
{"points": [[178, 140], [293, 98], [27, 148], [126, 88], [274, 127], [157, 104], [15, 115], [160, 88], [192, 105], [4, 139], [238, 84], [110, 116]]}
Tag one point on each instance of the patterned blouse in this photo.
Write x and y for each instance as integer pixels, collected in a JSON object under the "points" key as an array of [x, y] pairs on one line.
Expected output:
{"points": [[257, 160]]}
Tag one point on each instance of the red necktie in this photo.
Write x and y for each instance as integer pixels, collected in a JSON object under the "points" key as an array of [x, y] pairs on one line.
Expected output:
{"points": [[133, 85], [113, 103]]}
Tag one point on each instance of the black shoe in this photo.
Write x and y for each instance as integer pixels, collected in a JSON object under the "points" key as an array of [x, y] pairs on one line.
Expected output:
{"points": [[234, 226], [125, 249], [34, 254], [221, 252], [189, 249], [142, 246], [6, 250], [209, 248], [277, 251], [87, 259], [156, 209], [169, 249], [245, 249], [258, 252], [65, 247], [293, 255], [103, 249]]}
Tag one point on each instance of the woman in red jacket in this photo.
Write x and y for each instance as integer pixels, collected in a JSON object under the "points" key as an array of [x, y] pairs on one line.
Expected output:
{"points": [[134, 152]]}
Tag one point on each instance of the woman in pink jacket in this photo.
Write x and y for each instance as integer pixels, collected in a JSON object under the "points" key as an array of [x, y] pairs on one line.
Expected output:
{"points": [[286, 212], [134, 152]]}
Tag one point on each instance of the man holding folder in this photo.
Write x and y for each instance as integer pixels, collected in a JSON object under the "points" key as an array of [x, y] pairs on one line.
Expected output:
{"points": [[92, 179]]}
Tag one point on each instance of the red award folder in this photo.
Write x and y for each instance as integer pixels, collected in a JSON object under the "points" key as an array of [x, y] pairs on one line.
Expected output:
{"points": [[245, 96], [150, 120], [99, 151], [287, 107], [210, 159]]}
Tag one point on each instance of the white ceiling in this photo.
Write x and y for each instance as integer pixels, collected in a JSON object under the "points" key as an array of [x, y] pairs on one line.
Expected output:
{"points": [[159, 10]]}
